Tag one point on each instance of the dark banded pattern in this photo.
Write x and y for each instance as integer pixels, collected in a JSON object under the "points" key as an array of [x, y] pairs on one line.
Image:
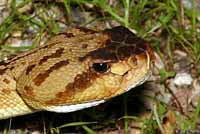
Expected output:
{"points": [[121, 45], [42, 76], [30, 68], [57, 54], [81, 83]]}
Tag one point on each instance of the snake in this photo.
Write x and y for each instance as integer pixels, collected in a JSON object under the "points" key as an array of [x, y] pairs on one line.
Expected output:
{"points": [[73, 70]]}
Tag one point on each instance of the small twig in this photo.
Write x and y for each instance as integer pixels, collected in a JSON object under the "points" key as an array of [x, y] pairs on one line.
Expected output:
{"points": [[182, 21], [178, 104]]}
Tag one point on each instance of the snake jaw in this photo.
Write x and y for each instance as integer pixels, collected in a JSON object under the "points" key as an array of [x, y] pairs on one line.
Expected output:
{"points": [[139, 73]]}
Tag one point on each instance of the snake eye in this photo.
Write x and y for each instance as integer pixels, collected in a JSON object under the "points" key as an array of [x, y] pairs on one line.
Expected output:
{"points": [[100, 67]]}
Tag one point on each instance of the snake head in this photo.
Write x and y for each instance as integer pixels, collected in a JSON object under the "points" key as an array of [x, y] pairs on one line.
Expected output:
{"points": [[114, 61], [120, 64], [125, 57]]}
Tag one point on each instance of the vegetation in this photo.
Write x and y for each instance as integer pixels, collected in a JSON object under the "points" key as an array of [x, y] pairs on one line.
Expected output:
{"points": [[160, 22]]}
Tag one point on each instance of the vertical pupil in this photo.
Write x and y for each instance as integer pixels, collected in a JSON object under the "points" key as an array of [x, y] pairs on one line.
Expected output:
{"points": [[100, 67]]}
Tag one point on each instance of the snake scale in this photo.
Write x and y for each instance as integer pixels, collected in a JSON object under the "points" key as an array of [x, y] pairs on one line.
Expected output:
{"points": [[75, 69]]}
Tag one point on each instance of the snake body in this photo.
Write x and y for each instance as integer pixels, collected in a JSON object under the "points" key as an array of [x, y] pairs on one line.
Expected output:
{"points": [[75, 69]]}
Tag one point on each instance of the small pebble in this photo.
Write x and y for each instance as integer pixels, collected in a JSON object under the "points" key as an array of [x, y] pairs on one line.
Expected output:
{"points": [[183, 79], [188, 4]]}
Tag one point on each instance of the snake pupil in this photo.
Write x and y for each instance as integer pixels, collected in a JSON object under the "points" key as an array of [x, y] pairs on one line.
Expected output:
{"points": [[100, 67]]}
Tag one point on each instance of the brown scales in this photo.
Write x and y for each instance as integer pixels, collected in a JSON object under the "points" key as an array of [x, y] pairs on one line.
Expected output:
{"points": [[6, 81], [6, 91], [42, 76], [2, 71], [30, 68], [81, 82], [57, 54], [121, 45], [29, 90], [66, 34], [26, 54]]}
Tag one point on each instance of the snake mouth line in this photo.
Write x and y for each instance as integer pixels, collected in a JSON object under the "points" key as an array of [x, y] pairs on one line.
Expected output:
{"points": [[139, 82], [74, 107]]}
